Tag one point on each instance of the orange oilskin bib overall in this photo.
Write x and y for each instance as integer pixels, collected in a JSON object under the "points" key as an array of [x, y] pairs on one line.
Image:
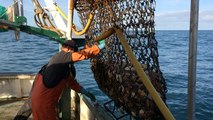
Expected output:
{"points": [[48, 86], [44, 100]]}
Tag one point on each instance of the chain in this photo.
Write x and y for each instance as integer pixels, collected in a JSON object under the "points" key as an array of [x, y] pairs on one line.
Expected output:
{"points": [[112, 69]]}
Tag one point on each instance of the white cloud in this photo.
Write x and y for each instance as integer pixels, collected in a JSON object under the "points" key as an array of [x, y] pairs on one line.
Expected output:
{"points": [[178, 1], [172, 20], [206, 15], [206, 20], [180, 20], [173, 15]]}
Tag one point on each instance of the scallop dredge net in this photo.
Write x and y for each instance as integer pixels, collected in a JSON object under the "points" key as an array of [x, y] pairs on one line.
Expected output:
{"points": [[112, 69]]}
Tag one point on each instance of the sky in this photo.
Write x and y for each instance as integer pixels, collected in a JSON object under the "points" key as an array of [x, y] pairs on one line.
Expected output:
{"points": [[169, 14], [175, 14]]}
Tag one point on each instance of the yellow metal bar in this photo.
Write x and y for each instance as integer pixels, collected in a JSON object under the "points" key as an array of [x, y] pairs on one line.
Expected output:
{"points": [[144, 78], [86, 28]]}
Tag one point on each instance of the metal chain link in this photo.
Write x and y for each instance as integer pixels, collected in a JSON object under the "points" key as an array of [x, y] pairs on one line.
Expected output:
{"points": [[112, 69]]}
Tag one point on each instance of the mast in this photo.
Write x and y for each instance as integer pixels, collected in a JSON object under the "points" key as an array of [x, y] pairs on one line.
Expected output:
{"points": [[192, 58]]}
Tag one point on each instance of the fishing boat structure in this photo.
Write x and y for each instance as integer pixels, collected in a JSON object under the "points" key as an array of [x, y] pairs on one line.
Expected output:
{"points": [[127, 70]]}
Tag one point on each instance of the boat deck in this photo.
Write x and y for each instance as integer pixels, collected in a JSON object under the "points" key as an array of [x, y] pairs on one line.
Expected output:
{"points": [[9, 108], [16, 87]]}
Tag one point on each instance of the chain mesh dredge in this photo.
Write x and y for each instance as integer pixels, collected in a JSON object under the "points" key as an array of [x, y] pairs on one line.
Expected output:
{"points": [[112, 69]]}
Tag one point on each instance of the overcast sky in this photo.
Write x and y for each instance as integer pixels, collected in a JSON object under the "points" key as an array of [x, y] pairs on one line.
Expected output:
{"points": [[169, 14]]}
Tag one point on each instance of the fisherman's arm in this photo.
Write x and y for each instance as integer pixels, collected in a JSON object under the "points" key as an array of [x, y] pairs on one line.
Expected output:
{"points": [[88, 52], [78, 88]]}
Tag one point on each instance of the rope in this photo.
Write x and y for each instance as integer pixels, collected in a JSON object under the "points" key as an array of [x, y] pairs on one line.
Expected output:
{"points": [[42, 19], [86, 28], [61, 12], [144, 78]]}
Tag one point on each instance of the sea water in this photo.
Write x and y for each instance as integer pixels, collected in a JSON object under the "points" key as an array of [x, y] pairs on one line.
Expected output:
{"points": [[31, 52]]}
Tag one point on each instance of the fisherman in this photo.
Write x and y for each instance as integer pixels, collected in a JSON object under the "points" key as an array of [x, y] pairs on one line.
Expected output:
{"points": [[58, 74]]}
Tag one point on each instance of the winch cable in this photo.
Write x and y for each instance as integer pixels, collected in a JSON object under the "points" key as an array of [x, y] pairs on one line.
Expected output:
{"points": [[86, 28], [42, 19]]}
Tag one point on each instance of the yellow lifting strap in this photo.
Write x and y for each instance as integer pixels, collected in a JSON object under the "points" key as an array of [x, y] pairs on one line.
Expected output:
{"points": [[105, 35], [143, 77], [86, 28]]}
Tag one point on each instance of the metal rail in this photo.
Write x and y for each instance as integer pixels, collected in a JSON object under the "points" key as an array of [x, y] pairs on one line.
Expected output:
{"points": [[192, 58]]}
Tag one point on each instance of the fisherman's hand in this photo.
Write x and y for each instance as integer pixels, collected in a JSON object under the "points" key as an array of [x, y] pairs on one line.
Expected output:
{"points": [[101, 45]]}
